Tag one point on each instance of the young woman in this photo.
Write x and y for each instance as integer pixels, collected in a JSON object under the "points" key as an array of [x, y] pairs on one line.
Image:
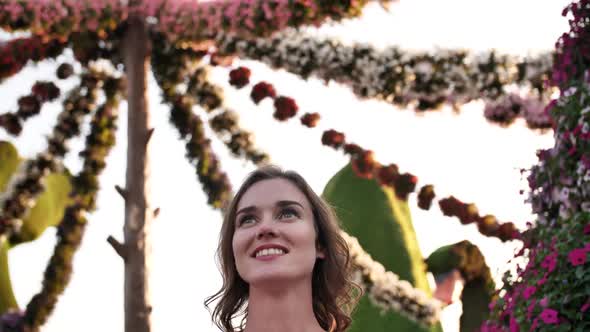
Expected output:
{"points": [[285, 267]]}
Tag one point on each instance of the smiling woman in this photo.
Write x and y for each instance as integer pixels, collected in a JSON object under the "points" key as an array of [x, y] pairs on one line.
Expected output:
{"points": [[284, 265]]}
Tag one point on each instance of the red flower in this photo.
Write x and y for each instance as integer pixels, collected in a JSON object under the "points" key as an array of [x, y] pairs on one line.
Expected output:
{"points": [[285, 108], [425, 197], [352, 149], [386, 175], [11, 123], [45, 91], [507, 231], [488, 225], [64, 71], [239, 77], [577, 256], [310, 119], [549, 316], [333, 138], [262, 90], [364, 164], [404, 185]]}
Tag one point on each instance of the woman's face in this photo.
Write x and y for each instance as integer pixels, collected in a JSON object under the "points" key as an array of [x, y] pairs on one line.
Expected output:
{"points": [[274, 238]]}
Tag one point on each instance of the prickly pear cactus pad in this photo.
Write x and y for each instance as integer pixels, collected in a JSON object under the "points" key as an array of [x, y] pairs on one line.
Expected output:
{"points": [[383, 226]]}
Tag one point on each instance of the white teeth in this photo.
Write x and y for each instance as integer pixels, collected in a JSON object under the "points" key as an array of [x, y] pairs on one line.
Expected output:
{"points": [[271, 251]]}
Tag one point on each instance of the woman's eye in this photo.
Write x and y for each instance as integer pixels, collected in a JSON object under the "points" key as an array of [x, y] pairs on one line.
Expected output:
{"points": [[288, 214], [246, 220]]}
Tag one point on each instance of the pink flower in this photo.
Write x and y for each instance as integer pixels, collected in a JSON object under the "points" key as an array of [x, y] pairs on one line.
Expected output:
{"points": [[550, 262], [542, 280], [529, 291], [585, 306], [577, 256], [549, 316], [587, 229], [544, 302]]}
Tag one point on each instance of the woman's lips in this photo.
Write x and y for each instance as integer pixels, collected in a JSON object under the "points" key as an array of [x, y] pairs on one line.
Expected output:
{"points": [[269, 257]]}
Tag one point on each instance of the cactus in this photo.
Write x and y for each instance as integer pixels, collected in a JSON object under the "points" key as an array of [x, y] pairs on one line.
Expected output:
{"points": [[382, 224], [47, 211], [479, 287]]}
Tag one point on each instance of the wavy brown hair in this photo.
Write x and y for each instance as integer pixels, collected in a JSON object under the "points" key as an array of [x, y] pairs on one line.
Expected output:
{"points": [[334, 294]]}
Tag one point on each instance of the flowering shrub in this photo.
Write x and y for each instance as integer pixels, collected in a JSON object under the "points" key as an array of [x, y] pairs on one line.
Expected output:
{"points": [[551, 293]]}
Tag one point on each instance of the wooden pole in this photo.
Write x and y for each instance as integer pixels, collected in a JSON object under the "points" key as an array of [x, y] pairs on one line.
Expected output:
{"points": [[136, 251]]}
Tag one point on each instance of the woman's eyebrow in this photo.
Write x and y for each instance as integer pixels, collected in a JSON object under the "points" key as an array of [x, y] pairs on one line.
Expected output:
{"points": [[286, 203], [250, 208]]}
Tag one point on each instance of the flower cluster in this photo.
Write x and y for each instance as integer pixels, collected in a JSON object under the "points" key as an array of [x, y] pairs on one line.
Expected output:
{"points": [[507, 108], [422, 80], [550, 292], [28, 106], [487, 225], [386, 291], [224, 121], [77, 105], [16, 53], [181, 21], [572, 48], [199, 152], [85, 188]]}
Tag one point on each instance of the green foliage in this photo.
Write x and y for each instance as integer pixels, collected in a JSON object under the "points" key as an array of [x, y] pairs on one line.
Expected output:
{"points": [[383, 226]]}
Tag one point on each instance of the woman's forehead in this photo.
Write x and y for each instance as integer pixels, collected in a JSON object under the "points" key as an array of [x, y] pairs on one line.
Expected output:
{"points": [[269, 192]]}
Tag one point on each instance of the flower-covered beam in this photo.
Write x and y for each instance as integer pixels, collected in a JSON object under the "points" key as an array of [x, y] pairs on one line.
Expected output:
{"points": [[16, 53], [223, 121], [180, 20], [29, 106], [99, 142], [365, 165], [16, 203], [425, 81], [199, 152], [387, 291]]}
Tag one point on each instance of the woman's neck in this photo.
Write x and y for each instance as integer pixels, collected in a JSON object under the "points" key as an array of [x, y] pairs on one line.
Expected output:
{"points": [[285, 308]]}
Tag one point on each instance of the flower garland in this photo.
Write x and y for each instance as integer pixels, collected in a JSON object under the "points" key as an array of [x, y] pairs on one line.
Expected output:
{"points": [[28, 106], [78, 104], [423, 80], [386, 291], [550, 292], [15, 53], [180, 20], [199, 152], [365, 165], [99, 142], [223, 120]]}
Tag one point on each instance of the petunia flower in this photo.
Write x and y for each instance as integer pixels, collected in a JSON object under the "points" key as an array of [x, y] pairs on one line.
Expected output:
{"points": [[528, 292], [550, 262], [577, 256], [549, 316]]}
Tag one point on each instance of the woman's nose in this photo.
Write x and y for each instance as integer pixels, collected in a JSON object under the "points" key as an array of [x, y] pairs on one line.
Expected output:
{"points": [[266, 229]]}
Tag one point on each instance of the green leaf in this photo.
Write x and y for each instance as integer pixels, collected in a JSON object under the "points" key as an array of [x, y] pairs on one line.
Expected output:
{"points": [[7, 299]]}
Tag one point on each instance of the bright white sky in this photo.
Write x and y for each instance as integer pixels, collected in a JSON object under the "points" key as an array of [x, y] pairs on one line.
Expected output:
{"points": [[461, 155]]}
